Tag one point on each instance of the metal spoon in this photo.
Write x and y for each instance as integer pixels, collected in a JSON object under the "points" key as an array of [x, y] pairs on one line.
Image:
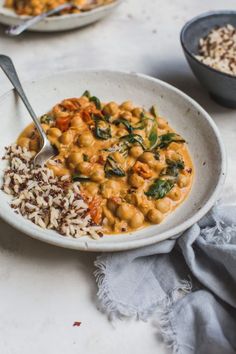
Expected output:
{"points": [[18, 29], [46, 150]]}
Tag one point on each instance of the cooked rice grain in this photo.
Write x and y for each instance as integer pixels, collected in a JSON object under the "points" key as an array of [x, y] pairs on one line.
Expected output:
{"points": [[49, 202], [218, 49]]}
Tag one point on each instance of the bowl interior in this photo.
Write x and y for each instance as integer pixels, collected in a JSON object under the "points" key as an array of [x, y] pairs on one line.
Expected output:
{"points": [[200, 27], [183, 114]]}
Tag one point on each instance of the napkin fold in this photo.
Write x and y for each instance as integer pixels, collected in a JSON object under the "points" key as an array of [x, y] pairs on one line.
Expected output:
{"points": [[190, 281]]}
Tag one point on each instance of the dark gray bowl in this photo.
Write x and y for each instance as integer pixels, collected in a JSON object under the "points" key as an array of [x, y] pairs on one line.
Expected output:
{"points": [[222, 87]]}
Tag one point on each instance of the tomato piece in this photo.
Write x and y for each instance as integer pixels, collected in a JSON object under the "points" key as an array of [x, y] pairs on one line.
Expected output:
{"points": [[95, 210], [63, 123]]}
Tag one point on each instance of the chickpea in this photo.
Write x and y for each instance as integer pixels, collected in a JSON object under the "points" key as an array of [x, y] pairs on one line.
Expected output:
{"points": [[125, 211], [140, 132], [92, 188], [75, 158], [59, 170], [24, 142], [148, 158], [145, 206], [107, 213], [54, 132], [137, 112], [28, 131], [183, 181], [127, 106], [83, 101], [175, 146], [67, 138], [173, 155], [113, 203], [111, 109], [136, 151], [155, 216], [85, 139], [137, 220], [163, 205], [77, 122], [115, 129], [175, 194], [159, 166], [84, 168], [98, 174], [162, 124], [118, 157], [113, 185], [135, 198], [126, 115], [134, 120], [45, 127], [121, 132], [34, 145], [136, 181], [110, 189]]}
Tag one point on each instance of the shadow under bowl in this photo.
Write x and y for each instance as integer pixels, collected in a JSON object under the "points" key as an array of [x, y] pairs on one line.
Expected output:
{"points": [[221, 86]]}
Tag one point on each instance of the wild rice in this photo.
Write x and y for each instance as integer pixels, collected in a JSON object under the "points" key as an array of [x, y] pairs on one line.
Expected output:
{"points": [[49, 202], [218, 49]]}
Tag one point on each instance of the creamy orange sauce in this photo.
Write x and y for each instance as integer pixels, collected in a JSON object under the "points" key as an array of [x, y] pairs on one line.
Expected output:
{"points": [[133, 168]]}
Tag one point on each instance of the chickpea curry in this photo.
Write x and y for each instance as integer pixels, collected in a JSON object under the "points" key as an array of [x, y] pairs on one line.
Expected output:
{"points": [[133, 168], [36, 7]]}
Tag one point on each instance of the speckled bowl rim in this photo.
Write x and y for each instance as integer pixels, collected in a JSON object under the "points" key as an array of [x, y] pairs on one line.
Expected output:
{"points": [[193, 20], [99, 246]]}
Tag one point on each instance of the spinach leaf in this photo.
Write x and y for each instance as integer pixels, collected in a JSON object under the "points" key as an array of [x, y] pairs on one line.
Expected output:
{"points": [[150, 125], [47, 119], [122, 148], [102, 128], [86, 94], [80, 178], [129, 126], [106, 117], [160, 188], [173, 167], [85, 157], [133, 138], [153, 111], [123, 121], [165, 140], [139, 126], [112, 168], [156, 154], [93, 99], [96, 101], [153, 136], [145, 118]]}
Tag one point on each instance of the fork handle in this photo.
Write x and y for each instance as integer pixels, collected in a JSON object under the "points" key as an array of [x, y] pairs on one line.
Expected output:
{"points": [[8, 67], [18, 29]]}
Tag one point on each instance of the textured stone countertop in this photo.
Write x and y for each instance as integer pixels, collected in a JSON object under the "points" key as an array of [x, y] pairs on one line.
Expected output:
{"points": [[44, 289]]}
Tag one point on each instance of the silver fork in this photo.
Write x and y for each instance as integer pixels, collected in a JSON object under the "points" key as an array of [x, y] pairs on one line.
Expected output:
{"points": [[46, 149], [18, 29]]}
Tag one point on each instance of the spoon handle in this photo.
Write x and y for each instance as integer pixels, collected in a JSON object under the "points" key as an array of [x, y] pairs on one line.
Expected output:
{"points": [[7, 66], [18, 29]]}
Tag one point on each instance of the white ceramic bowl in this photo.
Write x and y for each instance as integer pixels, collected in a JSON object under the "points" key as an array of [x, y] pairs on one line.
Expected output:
{"points": [[184, 114], [58, 23]]}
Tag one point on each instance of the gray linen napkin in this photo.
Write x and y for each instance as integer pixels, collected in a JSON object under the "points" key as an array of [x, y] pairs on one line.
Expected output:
{"points": [[190, 281]]}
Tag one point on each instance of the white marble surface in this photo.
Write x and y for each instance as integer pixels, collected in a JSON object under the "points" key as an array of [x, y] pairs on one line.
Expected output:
{"points": [[44, 289]]}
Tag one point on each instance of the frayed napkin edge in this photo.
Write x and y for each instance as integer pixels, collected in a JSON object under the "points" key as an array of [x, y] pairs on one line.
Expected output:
{"points": [[115, 309]]}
